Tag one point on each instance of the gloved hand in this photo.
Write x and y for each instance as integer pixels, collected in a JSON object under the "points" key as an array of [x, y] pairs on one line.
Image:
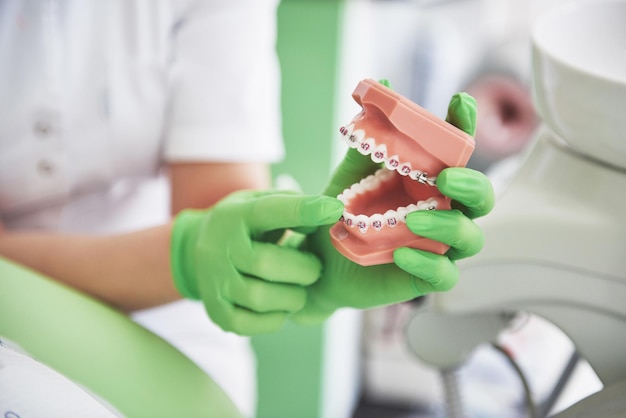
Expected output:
{"points": [[227, 257], [414, 273]]}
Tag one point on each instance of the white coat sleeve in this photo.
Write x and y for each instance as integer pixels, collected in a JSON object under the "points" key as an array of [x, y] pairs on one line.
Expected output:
{"points": [[224, 99]]}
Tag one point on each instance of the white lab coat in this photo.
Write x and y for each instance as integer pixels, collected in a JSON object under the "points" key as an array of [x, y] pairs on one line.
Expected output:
{"points": [[96, 96], [56, 395]]}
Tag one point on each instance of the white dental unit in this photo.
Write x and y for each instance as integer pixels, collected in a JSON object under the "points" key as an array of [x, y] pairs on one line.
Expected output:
{"points": [[555, 244]]}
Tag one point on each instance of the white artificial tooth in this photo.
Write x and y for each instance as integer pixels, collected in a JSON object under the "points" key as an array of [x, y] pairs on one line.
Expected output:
{"points": [[379, 154], [342, 199], [419, 176], [348, 194], [402, 212], [383, 174], [367, 146], [341, 234], [432, 203], [391, 218], [357, 188], [363, 223], [349, 219], [355, 138], [423, 205], [377, 221], [411, 208], [393, 162], [370, 183], [404, 169], [346, 132], [349, 142]]}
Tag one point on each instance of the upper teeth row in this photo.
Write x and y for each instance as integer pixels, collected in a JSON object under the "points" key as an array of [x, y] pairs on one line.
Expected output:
{"points": [[378, 154]]}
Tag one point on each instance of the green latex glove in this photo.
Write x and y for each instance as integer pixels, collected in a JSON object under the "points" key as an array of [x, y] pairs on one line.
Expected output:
{"points": [[414, 273], [227, 257]]}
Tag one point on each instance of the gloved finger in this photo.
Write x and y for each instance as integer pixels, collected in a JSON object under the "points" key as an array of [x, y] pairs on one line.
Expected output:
{"points": [[260, 296], [383, 290], [450, 227], [432, 272], [278, 264], [462, 112], [211, 292], [245, 322], [308, 316], [470, 190], [247, 195], [276, 211]]}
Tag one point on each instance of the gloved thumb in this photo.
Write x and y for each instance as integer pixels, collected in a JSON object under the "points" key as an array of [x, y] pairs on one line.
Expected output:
{"points": [[462, 112]]}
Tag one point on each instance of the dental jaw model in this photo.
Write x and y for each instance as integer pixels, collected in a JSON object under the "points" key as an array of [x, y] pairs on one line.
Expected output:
{"points": [[412, 146]]}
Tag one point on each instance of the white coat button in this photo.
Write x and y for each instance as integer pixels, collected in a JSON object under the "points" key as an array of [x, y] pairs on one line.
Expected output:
{"points": [[42, 128], [45, 167]]}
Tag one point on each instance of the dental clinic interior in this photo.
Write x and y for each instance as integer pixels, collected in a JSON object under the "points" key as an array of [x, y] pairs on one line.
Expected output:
{"points": [[536, 325]]}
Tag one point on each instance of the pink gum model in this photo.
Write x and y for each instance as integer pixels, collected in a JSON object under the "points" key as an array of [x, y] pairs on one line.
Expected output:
{"points": [[413, 146]]}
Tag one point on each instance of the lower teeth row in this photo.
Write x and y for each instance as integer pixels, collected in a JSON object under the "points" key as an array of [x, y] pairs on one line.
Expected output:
{"points": [[390, 219]]}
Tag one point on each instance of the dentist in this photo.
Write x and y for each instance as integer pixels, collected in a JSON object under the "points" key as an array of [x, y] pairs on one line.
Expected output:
{"points": [[115, 116]]}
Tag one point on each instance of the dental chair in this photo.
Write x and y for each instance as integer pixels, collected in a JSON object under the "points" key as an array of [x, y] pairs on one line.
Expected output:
{"points": [[555, 244], [133, 370]]}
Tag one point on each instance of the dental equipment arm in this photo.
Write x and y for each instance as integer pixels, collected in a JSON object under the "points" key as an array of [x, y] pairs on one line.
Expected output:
{"points": [[227, 257], [554, 245], [414, 273], [102, 350]]}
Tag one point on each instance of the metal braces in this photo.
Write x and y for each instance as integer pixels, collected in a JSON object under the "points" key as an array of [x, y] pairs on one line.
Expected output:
{"points": [[417, 175]]}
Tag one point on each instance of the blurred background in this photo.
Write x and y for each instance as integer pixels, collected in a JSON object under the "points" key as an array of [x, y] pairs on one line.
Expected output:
{"points": [[359, 364]]}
